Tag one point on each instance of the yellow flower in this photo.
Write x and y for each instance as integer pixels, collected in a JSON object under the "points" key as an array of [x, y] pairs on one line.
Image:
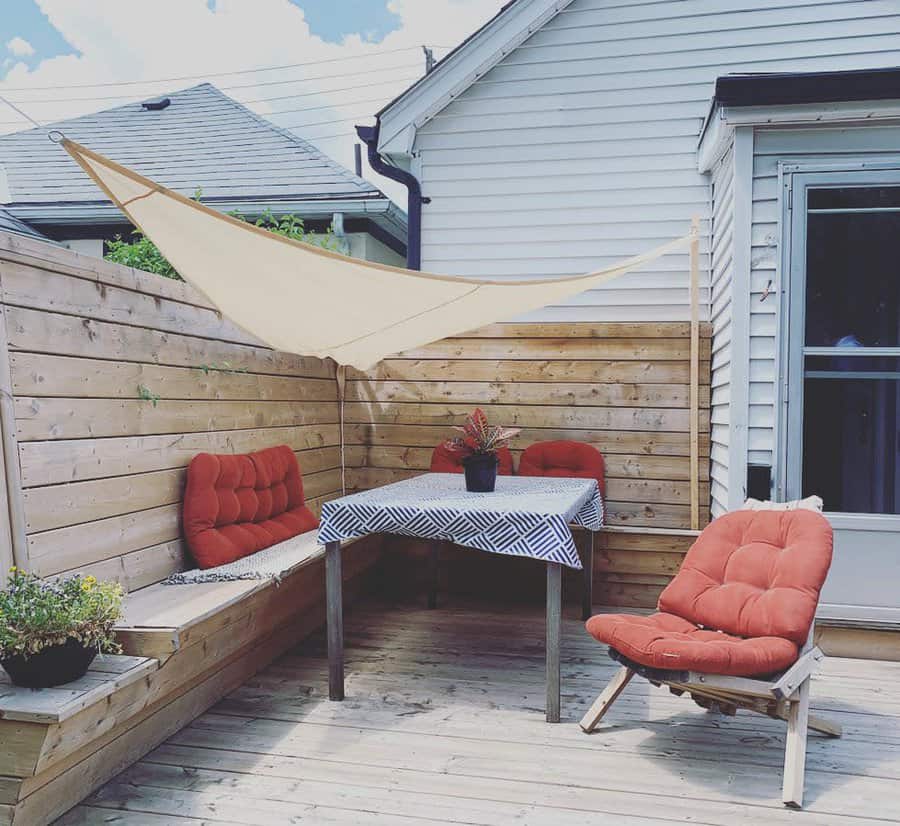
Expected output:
{"points": [[13, 569], [88, 583]]}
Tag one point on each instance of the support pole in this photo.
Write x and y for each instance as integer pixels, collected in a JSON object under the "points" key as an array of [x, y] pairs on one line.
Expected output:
{"points": [[340, 377], [695, 374]]}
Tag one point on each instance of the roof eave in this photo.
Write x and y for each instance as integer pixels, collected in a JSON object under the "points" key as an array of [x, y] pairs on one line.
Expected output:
{"points": [[401, 118], [381, 210]]}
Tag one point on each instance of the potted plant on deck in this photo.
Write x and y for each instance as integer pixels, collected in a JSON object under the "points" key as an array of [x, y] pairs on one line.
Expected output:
{"points": [[479, 445], [51, 630]]}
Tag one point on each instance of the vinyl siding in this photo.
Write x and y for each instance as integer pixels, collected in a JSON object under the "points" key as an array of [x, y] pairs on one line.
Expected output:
{"points": [[722, 232], [579, 148], [818, 145]]}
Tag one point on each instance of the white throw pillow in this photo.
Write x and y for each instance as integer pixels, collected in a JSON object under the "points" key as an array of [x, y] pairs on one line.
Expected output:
{"points": [[811, 503]]}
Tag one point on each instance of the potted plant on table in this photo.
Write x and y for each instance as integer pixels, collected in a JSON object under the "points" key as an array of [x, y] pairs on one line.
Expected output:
{"points": [[51, 630], [479, 446]]}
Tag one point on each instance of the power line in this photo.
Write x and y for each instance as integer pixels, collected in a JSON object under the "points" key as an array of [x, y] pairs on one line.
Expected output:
{"points": [[262, 84], [214, 74]]}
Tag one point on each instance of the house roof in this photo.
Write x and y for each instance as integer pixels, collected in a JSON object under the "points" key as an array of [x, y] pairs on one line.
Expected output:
{"points": [[9, 223], [202, 139], [514, 23]]}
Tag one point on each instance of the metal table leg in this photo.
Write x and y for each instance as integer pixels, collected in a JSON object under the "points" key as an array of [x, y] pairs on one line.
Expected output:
{"points": [[554, 637], [334, 611], [434, 553], [587, 591]]}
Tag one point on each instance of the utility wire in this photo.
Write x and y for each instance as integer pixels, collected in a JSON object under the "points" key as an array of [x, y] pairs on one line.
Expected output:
{"points": [[215, 74], [128, 96]]}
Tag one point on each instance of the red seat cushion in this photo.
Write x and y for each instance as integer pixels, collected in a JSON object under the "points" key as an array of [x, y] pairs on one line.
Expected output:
{"points": [[445, 460], [235, 505], [670, 642], [563, 458], [742, 603], [754, 574]]}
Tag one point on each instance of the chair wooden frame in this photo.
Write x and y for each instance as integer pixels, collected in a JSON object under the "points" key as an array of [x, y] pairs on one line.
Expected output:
{"points": [[783, 697]]}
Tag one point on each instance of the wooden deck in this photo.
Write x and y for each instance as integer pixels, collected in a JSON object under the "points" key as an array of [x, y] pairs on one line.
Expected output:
{"points": [[444, 723]]}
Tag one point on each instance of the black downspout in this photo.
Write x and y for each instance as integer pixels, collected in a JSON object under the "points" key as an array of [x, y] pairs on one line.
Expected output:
{"points": [[369, 136]]}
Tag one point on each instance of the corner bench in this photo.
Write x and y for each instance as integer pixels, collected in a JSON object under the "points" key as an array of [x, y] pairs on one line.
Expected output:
{"points": [[185, 647]]}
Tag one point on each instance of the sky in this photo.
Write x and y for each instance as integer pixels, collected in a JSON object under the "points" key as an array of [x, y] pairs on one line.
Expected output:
{"points": [[63, 58]]}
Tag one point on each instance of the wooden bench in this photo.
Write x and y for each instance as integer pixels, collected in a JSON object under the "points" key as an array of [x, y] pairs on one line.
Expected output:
{"points": [[186, 646]]}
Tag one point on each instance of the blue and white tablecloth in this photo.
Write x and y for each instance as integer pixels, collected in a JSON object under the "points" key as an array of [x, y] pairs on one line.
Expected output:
{"points": [[524, 516]]}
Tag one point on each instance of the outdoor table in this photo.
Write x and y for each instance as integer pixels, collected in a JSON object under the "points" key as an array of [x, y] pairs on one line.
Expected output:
{"points": [[524, 516]]}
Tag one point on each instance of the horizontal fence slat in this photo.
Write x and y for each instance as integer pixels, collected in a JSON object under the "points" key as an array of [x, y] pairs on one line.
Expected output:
{"points": [[36, 374]]}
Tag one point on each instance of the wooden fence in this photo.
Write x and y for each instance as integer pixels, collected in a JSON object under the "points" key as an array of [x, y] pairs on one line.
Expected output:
{"points": [[112, 380], [623, 387]]}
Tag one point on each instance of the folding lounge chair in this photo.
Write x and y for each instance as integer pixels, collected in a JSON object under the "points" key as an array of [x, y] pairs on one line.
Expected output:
{"points": [[734, 628]]}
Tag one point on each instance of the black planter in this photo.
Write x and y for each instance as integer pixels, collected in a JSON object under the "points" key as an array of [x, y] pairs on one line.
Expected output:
{"points": [[481, 472], [52, 666]]}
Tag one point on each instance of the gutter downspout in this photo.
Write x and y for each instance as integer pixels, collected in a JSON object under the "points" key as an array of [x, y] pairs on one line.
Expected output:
{"points": [[369, 136]]}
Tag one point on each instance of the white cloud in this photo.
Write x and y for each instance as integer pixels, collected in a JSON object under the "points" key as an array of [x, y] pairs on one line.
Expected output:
{"points": [[20, 47], [119, 41]]}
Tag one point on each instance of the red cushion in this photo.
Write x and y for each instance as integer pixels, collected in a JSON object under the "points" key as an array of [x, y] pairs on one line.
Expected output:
{"points": [[754, 574], [445, 460], [562, 458], [670, 642], [235, 505]]}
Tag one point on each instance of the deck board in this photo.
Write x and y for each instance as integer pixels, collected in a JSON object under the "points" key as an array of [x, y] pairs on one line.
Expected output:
{"points": [[443, 723]]}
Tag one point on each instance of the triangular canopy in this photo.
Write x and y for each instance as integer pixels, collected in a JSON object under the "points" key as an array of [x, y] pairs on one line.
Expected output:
{"points": [[302, 299]]}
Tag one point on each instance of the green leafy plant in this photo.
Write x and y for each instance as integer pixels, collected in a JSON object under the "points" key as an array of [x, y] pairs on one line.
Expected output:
{"points": [[147, 395], [142, 254], [36, 614]]}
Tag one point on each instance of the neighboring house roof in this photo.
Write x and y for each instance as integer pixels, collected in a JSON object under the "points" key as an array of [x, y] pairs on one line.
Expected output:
{"points": [[202, 139], [513, 24], [9, 223]]}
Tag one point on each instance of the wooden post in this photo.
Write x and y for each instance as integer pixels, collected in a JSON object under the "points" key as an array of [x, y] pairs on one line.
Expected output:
{"points": [[334, 611], [554, 638], [13, 531], [695, 374], [340, 377]]}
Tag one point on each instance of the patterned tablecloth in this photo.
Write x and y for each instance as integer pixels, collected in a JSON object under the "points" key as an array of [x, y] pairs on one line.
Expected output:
{"points": [[524, 516]]}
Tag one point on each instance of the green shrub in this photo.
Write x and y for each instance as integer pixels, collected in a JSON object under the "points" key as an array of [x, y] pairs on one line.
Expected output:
{"points": [[36, 613]]}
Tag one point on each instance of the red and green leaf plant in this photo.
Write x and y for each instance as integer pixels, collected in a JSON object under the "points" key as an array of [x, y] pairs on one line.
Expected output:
{"points": [[480, 437]]}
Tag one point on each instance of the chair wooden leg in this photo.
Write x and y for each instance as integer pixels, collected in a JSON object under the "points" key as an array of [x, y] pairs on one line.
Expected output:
{"points": [[607, 697], [795, 749]]}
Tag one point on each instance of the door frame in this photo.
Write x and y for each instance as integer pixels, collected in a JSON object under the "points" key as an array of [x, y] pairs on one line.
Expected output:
{"points": [[795, 181]]}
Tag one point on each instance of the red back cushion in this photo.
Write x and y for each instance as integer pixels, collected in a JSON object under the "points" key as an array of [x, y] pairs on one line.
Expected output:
{"points": [[445, 460], [754, 574], [237, 505], [563, 459]]}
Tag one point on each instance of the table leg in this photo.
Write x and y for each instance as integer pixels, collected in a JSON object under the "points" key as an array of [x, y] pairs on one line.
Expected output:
{"points": [[334, 611], [587, 591], [554, 636], [434, 553]]}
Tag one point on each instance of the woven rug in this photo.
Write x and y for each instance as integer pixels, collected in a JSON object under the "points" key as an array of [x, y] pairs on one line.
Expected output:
{"points": [[269, 563]]}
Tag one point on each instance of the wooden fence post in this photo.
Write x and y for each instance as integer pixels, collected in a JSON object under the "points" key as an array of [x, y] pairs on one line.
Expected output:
{"points": [[695, 373]]}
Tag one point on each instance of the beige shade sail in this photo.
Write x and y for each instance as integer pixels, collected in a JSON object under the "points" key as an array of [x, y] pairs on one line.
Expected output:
{"points": [[302, 299]]}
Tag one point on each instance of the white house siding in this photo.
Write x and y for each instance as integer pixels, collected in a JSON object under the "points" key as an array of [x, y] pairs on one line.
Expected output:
{"points": [[579, 147], [722, 264], [773, 146]]}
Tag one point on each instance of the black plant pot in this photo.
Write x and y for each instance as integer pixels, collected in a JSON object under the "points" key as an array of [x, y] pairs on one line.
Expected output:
{"points": [[53, 666], [481, 472]]}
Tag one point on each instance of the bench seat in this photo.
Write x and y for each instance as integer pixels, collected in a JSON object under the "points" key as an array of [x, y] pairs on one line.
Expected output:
{"points": [[160, 619]]}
